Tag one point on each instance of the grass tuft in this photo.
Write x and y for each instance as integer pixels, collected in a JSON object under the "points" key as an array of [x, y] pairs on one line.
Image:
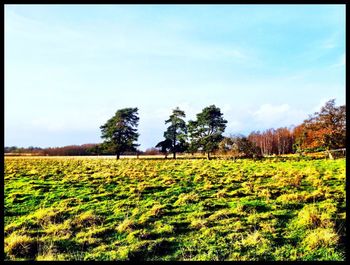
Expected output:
{"points": [[320, 237], [20, 246]]}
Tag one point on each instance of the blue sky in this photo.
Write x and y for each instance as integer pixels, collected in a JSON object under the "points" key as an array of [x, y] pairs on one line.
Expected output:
{"points": [[69, 68]]}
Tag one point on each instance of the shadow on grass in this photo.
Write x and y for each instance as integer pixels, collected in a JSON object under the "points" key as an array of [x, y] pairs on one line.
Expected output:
{"points": [[157, 249]]}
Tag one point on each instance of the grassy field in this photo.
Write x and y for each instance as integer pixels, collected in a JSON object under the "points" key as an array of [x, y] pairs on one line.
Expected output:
{"points": [[138, 209]]}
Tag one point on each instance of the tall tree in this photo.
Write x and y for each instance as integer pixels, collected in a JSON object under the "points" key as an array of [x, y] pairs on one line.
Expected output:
{"points": [[176, 134], [120, 131], [273, 141], [284, 140], [331, 120], [206, 132], [326, 128]]}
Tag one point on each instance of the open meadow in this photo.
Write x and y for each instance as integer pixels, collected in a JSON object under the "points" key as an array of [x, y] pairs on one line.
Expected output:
{"points": [[77, 208]]}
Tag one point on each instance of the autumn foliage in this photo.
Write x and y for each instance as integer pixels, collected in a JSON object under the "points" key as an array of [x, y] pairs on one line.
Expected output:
{"points": [[325, 129]]}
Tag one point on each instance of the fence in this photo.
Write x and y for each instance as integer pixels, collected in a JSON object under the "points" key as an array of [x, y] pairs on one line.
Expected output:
{"points": [[336, 153]]}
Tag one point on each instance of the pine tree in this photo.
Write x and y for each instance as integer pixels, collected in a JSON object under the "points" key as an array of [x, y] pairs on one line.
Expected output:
{"points": [[120, 131], [206, 132], [176, 133]]}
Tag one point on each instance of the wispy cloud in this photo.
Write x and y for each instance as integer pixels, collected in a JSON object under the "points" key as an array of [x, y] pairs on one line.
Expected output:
{"points": [[32, 29], [341, 61], [277, 115], [68, 69], [330, 42], [113, 38]]}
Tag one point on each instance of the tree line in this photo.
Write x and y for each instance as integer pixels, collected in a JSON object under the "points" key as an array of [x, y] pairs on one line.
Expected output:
{"points": [[322, 131], [74, 150]]}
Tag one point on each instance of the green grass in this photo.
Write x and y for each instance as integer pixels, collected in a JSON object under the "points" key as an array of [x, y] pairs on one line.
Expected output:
{"points": [[104, 209]]}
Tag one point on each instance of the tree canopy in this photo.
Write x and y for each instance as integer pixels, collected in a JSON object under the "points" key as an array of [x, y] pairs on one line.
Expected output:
{"points": [[176, 134], [325, 129], [120, 131], [206, 131], [165, 146]]}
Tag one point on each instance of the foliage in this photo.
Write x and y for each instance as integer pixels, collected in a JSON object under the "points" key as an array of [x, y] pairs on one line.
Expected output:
{"points": [[239, 146], [323, 131], [273, 141], [85, 149], [326, 128], [120, 131], [175, 135], [206, 132], [165, 146]]}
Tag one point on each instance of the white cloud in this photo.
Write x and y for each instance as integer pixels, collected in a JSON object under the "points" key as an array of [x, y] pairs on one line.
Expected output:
{"points": [[267, 111], [234, 126], [320, 105], [276, 116], [322, 102]]}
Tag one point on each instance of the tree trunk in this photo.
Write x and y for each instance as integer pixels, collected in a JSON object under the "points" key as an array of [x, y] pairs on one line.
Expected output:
{"points": [[208, 155], [174, 144], [118, 155]]}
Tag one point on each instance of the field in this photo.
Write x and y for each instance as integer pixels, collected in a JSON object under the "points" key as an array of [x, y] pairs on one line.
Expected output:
{"points": [[138, 209]]}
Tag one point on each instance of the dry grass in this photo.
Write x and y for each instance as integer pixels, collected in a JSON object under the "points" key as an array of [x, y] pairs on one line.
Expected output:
{"points": [[21, 246], [320, 237], [104, 209], [127, 225]]}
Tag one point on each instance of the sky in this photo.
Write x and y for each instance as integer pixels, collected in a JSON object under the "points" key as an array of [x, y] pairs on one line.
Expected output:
{"points": [[69, 68]]}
